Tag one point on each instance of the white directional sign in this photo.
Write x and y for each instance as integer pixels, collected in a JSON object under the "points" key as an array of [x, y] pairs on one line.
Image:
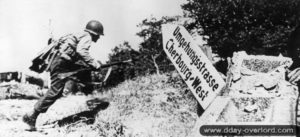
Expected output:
{"points": [[192, 64]]}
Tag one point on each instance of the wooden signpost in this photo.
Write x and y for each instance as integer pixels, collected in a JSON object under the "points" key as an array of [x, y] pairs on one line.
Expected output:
{"points": [[192, 64]]}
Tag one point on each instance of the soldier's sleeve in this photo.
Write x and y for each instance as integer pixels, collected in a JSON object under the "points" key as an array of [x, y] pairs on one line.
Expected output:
{"points": [[83, 48]]}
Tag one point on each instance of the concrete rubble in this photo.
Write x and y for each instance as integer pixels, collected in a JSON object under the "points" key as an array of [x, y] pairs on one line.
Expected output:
{"points": [[256, 93]]}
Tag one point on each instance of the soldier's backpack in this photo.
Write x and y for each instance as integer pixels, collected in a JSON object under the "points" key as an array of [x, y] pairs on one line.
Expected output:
{"points": [[45, 57]]}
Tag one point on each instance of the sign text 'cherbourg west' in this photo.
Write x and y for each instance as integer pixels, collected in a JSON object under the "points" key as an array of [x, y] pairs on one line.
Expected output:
{"points": [[192, 64]]}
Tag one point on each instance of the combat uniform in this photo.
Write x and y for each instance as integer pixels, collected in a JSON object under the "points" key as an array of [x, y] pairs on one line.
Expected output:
{"points": [[70, 53], [74, 47]]}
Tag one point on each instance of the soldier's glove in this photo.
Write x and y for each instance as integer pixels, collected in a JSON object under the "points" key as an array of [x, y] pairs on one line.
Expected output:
{"points": [[97, 67]]}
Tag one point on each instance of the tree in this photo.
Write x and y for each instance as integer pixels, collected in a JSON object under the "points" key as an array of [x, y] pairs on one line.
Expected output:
{"points": [[149, 59], [125, 71], [151, 48], [257, 26]]}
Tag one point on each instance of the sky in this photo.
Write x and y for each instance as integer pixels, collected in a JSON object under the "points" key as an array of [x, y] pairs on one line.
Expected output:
{"points": [[26, 25]]}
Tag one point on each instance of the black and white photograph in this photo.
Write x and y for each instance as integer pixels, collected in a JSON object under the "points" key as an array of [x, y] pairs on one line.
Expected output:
{"points": [[149, 68]]}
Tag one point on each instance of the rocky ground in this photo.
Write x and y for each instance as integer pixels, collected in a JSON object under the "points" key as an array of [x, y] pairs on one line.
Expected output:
{"points": [[149, 106]]}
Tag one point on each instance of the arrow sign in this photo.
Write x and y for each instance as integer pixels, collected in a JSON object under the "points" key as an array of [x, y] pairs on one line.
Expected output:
{"points": [[192, 64]]}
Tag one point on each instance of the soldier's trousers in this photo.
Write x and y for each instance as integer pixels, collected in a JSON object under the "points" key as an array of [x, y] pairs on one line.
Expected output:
{"points": [[55, 92], [57, 85]]}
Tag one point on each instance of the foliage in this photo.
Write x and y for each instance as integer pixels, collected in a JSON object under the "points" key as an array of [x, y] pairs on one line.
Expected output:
{"points": [[152, 47], [123, 71], [148, 59], [257, 26]]}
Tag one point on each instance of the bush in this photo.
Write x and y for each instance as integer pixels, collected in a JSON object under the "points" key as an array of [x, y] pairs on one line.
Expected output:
{"points": [[256, 26]]}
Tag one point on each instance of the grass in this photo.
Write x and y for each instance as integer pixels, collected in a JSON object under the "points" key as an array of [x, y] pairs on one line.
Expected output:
{"points": [[148, 106]]}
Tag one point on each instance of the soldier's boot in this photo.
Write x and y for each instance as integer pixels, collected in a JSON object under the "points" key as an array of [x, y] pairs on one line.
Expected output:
{"points": [[30, 119]]}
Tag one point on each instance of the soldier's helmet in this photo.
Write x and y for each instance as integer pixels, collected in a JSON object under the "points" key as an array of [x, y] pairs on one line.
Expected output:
{"points": [[94, 27]]}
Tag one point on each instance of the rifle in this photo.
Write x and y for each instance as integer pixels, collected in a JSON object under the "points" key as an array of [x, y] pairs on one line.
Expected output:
{"points": [[68, 74]]}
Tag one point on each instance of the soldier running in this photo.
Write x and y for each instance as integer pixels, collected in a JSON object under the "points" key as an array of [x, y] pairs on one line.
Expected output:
{"points": [[73, 48]]}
